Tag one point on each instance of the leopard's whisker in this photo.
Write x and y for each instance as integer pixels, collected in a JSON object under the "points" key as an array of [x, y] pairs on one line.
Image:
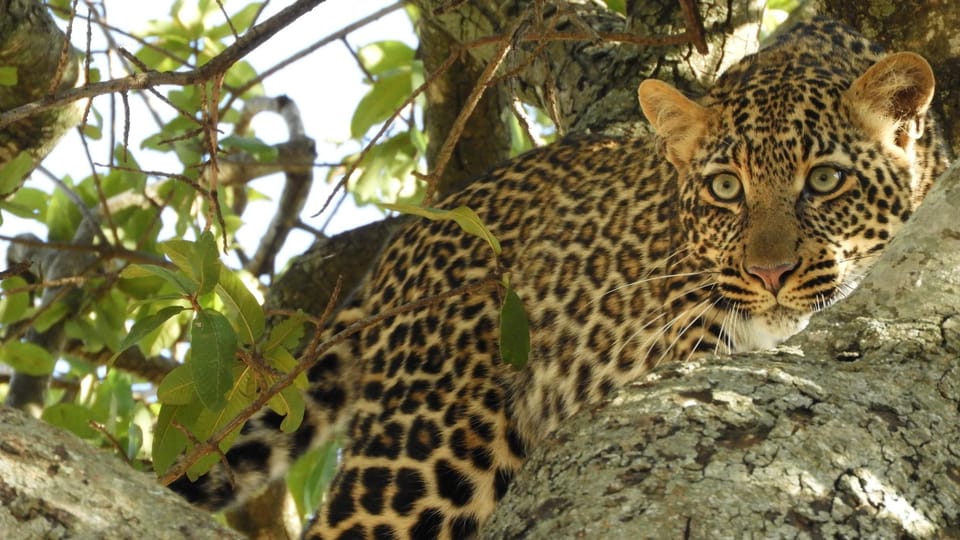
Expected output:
{"points": [[662, 311]]}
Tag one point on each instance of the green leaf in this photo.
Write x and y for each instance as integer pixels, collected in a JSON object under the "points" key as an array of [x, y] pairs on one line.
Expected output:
{"points": [[14, 171], [50, 316], [206, 265], [28, 203], [252, 146], [289, 402], [144, 326], [28, 358], [468, 220], [213, 345], [241, 302], [180, 280], [209, 422], [8, 76], [13, 307], [514, 331], [240, 21], [181, 252], [385, 173], [177, 387], [93, 130], [287, 333], [387, 95], [72, 417], [62, 217], [281, 359], [383, 56], [134, 440], [168, 441], [311, 474], [620, 6]]}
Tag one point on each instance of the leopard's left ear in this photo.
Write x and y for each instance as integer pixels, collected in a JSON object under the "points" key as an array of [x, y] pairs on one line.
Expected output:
{"points": [[678, 120], [891, 98]]}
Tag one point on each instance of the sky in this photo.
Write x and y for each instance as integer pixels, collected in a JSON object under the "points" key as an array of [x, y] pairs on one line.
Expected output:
{"points": [[326, 86]]}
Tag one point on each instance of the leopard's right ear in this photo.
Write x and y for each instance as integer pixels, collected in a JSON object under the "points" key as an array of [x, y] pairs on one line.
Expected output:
{"points": [[678, 120]]}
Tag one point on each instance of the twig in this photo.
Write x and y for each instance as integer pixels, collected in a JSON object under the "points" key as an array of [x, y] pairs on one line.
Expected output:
{"points": [[446, 151], [386, 125], [65, 48], [252, 39], [694, 26], [339, 34]]}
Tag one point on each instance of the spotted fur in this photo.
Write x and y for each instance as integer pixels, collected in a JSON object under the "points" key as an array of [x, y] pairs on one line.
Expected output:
{"points": [[756, 206]]}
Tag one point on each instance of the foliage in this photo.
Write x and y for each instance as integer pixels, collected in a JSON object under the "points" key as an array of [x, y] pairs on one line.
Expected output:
{"points": [[155, 282]]}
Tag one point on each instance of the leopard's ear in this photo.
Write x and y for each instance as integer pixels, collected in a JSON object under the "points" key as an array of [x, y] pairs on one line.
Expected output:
{"points": [[891, 98], [678, 120]]}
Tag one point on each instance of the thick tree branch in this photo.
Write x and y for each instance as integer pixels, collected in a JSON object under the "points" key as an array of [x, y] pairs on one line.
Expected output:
{"points": [[54, 485]]}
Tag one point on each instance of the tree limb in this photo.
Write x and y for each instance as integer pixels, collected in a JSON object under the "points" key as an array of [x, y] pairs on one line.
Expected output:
{"points": [[54, 485], [219, 64]]}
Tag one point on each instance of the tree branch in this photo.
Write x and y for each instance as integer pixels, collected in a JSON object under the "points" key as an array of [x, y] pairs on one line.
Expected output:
{"points": [[218, 65]]}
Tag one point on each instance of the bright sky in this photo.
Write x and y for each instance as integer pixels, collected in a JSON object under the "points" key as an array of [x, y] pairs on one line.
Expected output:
{"points": [[325, 85]]}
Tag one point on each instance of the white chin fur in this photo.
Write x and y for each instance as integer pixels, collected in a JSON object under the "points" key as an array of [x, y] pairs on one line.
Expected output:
{"points": [[767, 331]]}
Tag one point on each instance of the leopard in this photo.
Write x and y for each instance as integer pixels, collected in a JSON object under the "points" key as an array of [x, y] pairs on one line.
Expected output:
{"points": [[750, 208]]}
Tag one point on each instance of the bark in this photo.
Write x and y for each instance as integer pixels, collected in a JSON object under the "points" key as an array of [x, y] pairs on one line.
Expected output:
{"points": [[54, 485], [32, 43], [485, 139], [589, 83], [849, 431]]}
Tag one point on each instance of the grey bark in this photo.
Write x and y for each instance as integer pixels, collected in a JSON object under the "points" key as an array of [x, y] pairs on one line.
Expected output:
{"points": [[54, 485], [590, 84]]}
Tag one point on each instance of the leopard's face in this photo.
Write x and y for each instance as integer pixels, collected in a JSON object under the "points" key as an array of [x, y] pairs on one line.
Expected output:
{"points": [[789, 189]]}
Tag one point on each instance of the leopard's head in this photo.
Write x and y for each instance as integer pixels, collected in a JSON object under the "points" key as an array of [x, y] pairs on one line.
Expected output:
{"points": [[792, 176]]}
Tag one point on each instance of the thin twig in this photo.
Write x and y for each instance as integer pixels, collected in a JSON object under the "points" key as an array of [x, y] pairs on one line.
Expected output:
{"points": [[252, 39], [446, 151]]}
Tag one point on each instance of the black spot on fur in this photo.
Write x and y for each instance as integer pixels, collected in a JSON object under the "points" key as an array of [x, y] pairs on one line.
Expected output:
{"points": [[424, 437], [249, 456], [452, 484], [357, 532], [428, 525], [410, 489], [501, 482], [463, 527], [375, 480], [385, 532], [341, 503]]}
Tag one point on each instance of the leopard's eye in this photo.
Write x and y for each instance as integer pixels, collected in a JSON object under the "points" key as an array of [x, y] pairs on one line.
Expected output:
{"points": [[825, 179], [725, 187]]}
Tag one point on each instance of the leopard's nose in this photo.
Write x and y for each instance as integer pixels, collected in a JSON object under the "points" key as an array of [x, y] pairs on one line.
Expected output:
{"points": [[772, 276]]}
